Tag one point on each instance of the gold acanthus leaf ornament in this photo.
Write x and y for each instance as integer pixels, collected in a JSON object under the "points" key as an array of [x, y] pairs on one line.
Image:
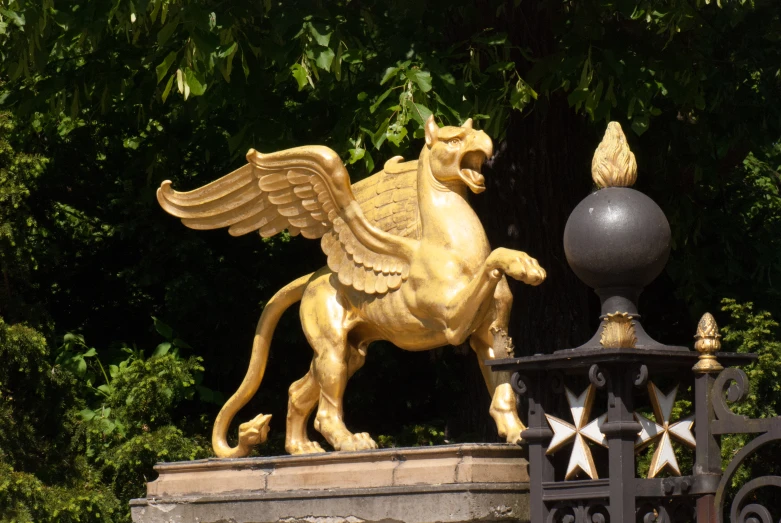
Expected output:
{"points": [[618, 331], [614, 163]]}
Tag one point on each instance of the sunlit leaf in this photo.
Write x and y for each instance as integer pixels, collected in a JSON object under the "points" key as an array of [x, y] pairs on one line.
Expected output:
{"points": [[299, 73], [164, 66], [421, 78]]}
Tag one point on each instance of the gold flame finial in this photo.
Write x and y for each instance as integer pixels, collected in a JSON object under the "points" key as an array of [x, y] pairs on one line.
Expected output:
{"points": [[707, 344], [614, 164]]}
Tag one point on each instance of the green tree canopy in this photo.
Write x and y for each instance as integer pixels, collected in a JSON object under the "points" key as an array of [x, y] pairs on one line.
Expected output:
{"points": [[103, 100]]}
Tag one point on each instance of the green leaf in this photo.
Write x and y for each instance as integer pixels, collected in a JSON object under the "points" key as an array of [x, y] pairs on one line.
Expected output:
{"points": [[396, 135], [162, 349], [379, 135], [320, 33], [163, 329], [13, 15], [107, 426], [356, 154], [231, 49], [105, 389], [205, 42], [167, 89], [87, 414], [178, 342], [640, 124], [90, 353], [577, 97], [421, 78], [299, 73], [324, 57], [377, 103], [156, 10], [390, 72], [336, 66], [368, 161], [164, 66], [196, 82], [244, 64], [492, 39], [420, 113], [631, 107], [699, 102], [166, 32], [500, 66]]}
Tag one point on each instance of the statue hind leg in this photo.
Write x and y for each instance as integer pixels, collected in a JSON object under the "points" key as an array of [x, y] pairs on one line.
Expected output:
{"points": [[503, 402], [303, 398], [327, 323]]}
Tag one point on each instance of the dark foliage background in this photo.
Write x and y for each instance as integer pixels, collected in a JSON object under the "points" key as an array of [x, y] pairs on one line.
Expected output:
{"points": [[103, 100]]}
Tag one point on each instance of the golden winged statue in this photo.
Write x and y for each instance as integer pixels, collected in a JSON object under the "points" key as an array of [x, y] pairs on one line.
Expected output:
{"points": [[408, 262]]}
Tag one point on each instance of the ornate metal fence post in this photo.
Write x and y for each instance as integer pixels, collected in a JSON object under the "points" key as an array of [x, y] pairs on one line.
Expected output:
{"points": [[617, 242], [621, 430], [537, 435], [707, 465]]}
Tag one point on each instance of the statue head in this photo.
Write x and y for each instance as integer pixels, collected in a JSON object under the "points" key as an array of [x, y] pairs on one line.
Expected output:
{"points": [[456, 154]]}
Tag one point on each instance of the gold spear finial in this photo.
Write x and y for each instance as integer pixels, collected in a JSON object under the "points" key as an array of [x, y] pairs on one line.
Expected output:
{"points": [[707, 344], [614, 164]]}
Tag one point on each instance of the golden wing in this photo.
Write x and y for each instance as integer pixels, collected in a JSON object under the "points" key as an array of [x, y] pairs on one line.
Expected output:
{"points": [[306, 190], [389, 198]]}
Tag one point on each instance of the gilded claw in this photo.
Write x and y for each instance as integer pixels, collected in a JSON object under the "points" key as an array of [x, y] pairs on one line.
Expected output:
{"points": [[359, 441], [306, 447], [526, 269], [508, 424]]}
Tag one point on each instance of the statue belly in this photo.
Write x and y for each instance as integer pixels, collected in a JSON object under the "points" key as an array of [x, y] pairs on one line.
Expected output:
{"points": [[389, 318]]}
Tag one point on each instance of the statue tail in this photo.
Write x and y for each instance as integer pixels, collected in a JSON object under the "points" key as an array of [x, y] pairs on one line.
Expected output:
{"points": [[255, 431]]}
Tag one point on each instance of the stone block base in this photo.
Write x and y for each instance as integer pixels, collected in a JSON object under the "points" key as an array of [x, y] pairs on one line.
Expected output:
{"points": [[450, 483]]}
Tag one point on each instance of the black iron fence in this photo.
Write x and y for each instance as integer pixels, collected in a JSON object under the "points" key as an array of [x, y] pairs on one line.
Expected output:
{"points": [[569, 486]]}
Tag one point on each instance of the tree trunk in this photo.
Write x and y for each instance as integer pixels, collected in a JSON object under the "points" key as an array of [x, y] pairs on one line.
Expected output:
{"points": [[540, 172], [538, 175]]}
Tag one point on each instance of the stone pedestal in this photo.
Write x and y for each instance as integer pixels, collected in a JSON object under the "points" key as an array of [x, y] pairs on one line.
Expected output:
{"points": [[450, 483]]}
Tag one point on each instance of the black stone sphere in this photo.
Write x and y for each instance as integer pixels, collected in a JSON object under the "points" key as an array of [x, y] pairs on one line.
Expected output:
{"points": [[617, 237]]}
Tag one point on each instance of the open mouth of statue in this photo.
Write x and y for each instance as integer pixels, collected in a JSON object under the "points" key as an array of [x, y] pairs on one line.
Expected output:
{"points": [[471, 164]]}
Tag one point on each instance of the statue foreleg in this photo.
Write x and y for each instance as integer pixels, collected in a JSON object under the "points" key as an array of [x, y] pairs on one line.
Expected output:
{"points": [[468, 308], [503, 402]]}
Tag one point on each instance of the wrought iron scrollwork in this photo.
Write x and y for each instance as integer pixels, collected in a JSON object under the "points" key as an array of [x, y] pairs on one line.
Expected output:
{"points": [[652, 513], [579, 512], [640, 376], [563, 513], [597, 376], [519, 383], [597, 513], [666, 511], [732, 385], [753, 512], [556, 382]]}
